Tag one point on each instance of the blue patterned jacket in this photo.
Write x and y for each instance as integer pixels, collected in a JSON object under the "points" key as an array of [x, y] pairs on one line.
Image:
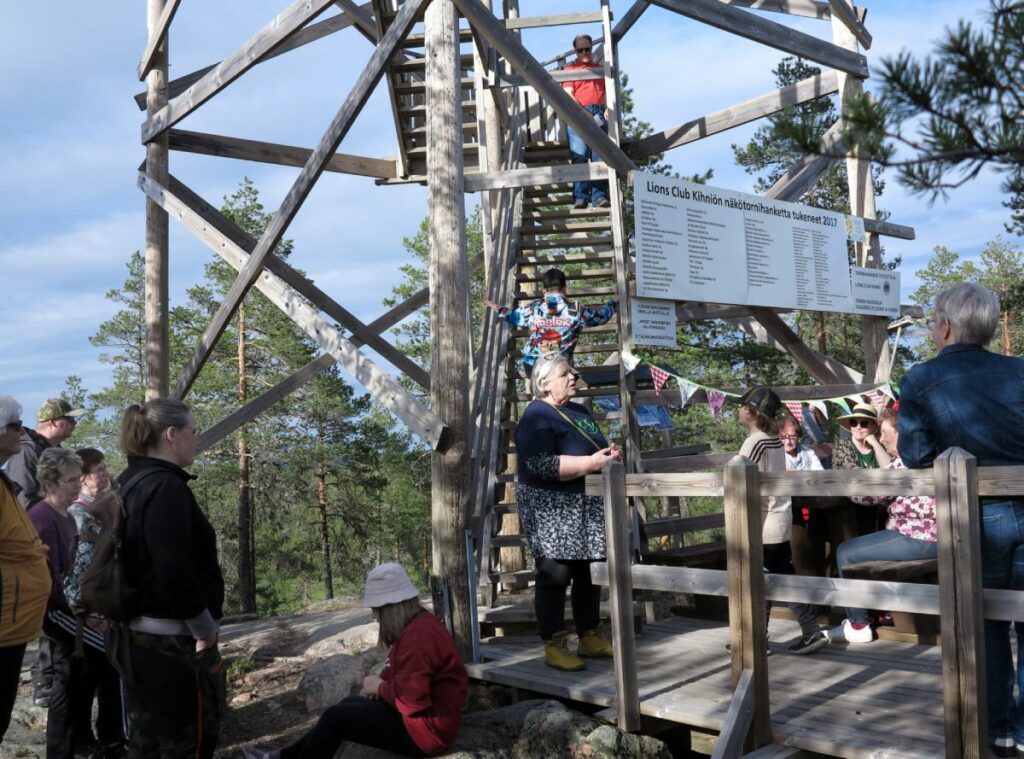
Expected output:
{"points": [[555, 324]]}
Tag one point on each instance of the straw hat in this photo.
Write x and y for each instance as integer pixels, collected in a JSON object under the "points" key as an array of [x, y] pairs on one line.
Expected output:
{"points": [[388, 584], [860, 411]]}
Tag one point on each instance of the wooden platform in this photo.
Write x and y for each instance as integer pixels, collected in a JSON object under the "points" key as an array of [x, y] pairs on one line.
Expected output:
{"points": [[870, 701]]}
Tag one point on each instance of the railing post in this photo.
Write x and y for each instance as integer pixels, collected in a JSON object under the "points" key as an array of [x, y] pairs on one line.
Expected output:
{"points": [[748, 632], [960, 604], [620, 592]]}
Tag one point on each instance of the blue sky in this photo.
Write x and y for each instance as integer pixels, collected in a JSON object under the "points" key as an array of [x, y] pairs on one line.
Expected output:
{"points": [[71, 213]]}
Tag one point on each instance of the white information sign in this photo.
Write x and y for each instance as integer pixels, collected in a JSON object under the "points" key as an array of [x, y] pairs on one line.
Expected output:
{"points": [[702, 243], [654, 322], [875, 292]]}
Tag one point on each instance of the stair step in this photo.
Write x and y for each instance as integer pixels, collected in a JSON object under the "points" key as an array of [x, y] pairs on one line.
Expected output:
{"points": [[419, 40], [565, 258], [421, 110], [535, 294], [505, 508], [522, 575], [508, 541], [504, 478], [566, 213], [603, 243], [587, 392], [580, 349], [467, 147], [419, 88], [574, 276], [468, 127], [420, 64], [611, 326], [548, 229]]}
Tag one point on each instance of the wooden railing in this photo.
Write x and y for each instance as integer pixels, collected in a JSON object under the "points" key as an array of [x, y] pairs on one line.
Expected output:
{"points": [[955, 481]]}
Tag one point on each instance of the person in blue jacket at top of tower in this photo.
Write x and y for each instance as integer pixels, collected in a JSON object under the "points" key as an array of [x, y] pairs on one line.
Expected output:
{"points": [[553, 313]]}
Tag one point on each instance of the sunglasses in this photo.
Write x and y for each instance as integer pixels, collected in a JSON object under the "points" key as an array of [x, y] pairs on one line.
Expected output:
{"points": [[13, 426], [583, 50], [861, 422]]}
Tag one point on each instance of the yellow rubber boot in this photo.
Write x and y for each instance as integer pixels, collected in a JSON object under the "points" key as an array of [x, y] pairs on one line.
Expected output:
{"points": [[594, 645], [558, 655]]}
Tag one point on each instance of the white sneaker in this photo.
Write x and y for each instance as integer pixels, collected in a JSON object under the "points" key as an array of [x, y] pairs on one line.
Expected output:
{"points": [[847, 633]]}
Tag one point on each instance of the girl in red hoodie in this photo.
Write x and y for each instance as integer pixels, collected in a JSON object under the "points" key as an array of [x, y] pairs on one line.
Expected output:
{"points": [[415, 706]]}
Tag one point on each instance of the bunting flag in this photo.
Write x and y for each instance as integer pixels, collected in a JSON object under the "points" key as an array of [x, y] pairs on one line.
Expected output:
{"points": [[686, 389], [659, 376], [877, 399], [887, 389], [716, 399], [629, 359], [841, 402], [820, 406], [796, 408]]}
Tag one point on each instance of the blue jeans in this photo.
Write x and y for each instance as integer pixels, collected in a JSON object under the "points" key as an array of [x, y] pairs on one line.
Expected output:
{"points": [[887, 545], [1002, 566], [580, 152]]}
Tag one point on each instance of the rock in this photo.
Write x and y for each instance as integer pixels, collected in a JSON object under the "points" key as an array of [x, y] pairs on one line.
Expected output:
{"points": [[350, 641], [532, 729], [326, 682]]}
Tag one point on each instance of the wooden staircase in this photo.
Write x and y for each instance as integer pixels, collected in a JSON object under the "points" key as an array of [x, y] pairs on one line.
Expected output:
{"points": [[406, 78]]}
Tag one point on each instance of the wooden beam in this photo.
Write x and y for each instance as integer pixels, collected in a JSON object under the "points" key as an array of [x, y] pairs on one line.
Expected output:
{"points": [[282, 155], [802, 176], [744, 24], [750, 110], [960, 604], [421, 421], [748, 628], [364, 21], [889, 229], [157, 308], [539, 175], [845, 14], [197, 214], [808, 8], [521, 60], [157, 36], [306, 35], [450, 340], [629, 18], [217, 432], [558, 19], [737, 719], [620, 596], [301, 188], [285, 24], [824, 370]]}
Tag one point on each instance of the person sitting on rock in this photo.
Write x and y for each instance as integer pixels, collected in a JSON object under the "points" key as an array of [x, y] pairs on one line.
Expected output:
{"points": [[414, 707]]}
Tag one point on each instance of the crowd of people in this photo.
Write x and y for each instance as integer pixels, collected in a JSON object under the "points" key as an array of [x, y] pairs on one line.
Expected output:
{"points": [[156, 675]]}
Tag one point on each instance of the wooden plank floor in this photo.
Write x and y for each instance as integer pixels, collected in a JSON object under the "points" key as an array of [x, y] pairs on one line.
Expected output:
{"points": [[863, 702]]}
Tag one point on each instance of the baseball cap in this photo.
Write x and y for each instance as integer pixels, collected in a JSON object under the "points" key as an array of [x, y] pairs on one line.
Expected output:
{"points": [[55, 408], [762, 399]]}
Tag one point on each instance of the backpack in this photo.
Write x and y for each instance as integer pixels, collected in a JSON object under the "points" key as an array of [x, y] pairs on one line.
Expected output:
{"points": [[104, 589]]}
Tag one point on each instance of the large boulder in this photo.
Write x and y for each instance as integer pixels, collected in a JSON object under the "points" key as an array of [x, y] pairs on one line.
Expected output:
{"points": [[350, 641], [533, 729], [327, 682]]}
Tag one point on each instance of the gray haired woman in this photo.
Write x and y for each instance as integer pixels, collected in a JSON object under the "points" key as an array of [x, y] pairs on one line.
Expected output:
{"points": [[558, 444]]}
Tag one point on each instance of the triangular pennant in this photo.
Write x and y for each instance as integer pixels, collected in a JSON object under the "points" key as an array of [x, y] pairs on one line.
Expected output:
{"points": [[629, 359], [887, 389], [659, 377], [796, 408], [820, 406], [841, 402], [686, 389], [716, 399], [877, 399]]}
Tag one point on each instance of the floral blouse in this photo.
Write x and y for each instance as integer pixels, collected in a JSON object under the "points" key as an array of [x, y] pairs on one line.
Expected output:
{"points": [[910, 515]]}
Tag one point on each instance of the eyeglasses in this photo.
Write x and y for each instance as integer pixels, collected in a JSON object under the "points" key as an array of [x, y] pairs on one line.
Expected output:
{"points": [[583, 50], [861, 422], [788, 437], [13, 426], [69, 419]]}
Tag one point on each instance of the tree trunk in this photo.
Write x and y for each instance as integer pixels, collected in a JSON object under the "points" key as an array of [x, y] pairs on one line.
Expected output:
{"points": [[819, 319], [325, 535], [246, 570]]}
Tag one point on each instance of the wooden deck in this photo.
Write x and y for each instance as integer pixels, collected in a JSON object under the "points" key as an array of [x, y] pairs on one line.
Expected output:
{"points": [[863, 702]]}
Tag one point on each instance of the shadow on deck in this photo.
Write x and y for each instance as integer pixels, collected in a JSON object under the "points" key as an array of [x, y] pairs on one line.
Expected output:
{"points": [[862, 702]]}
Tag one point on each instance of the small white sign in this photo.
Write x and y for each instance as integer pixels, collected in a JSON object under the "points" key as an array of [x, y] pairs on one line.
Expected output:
{"points": [[654, 323], [855, 228], [875, 292]]}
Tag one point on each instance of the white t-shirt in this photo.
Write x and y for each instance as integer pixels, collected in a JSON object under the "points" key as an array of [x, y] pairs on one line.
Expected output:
{"points": [[767, 452]]}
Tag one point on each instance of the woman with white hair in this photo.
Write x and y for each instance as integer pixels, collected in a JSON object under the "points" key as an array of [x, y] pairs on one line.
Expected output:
{"points": [[558, 444], [414, 707], [22, 569]]}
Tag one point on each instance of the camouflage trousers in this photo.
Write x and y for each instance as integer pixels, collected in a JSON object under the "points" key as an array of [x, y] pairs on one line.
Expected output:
{"points": [[178, 698]]}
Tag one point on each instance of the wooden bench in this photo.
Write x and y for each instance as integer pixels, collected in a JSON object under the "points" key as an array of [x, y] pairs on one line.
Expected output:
{"points": [[923, 628]]}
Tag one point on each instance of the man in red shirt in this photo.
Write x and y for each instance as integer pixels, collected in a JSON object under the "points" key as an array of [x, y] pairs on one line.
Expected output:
{"points": [[589, 93]]}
